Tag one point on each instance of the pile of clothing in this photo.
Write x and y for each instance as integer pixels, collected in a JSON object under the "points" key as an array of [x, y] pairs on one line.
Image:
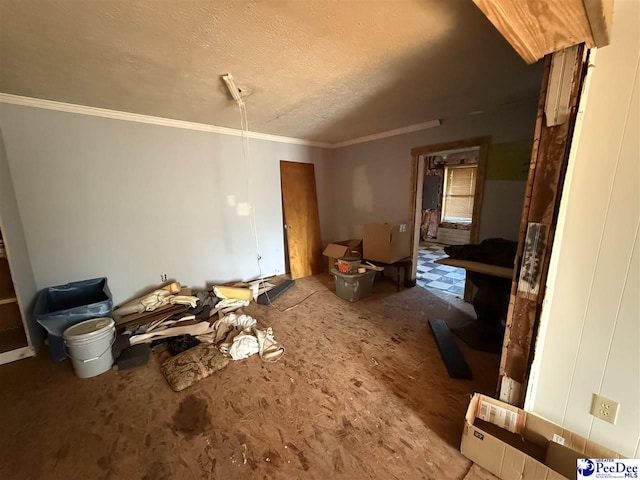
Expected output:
{"points": [[185, 324]]}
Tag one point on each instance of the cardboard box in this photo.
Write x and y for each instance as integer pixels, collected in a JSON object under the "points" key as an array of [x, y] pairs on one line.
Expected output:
{"points": [[386, 243], [517, 445], [341, 249]]}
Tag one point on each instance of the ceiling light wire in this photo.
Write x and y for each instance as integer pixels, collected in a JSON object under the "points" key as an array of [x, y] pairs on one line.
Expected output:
{"points": [[246, 153]]}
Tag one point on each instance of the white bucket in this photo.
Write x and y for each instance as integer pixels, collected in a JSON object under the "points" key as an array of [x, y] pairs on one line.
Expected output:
{"points": [[89, 346]]}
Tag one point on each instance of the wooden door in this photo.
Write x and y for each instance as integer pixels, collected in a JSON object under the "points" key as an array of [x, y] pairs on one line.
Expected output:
{"points": [[302, 222]]}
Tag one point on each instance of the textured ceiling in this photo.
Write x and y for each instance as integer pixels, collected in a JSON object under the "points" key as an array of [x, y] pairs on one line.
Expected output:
{"points": [[315, 69]]}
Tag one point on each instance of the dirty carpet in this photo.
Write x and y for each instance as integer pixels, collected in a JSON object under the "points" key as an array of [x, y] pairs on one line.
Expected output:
{"points": [[360, 393]]}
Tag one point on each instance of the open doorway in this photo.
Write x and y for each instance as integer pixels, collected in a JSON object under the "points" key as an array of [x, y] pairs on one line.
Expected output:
{"points": [[448, 197], [507, 308], [449, 186]]}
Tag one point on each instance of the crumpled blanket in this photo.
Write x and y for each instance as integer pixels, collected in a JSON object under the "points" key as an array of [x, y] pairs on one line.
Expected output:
{"points": [[239, 337]]}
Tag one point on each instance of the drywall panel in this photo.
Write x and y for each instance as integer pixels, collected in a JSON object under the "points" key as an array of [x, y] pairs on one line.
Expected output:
{"points": [[17, 253], [131, 201], [372, 181], [589, 323]]}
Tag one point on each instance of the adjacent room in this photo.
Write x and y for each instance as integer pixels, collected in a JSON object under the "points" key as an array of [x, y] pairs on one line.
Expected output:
{"points": [[319, 239]]}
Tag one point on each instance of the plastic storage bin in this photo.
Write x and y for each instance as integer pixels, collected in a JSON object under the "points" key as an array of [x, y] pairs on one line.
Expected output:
{"points": [[354, 287], [62, 306]]}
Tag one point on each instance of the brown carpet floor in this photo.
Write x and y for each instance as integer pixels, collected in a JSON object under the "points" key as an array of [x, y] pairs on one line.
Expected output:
{"points": [[360, 393]]}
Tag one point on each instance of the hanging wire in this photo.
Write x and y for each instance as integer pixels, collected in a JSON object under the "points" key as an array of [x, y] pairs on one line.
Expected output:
{"points": [[246, 153]]}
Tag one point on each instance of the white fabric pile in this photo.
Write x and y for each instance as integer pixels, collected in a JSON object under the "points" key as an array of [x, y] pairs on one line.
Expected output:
{"points": [[239, 337]]}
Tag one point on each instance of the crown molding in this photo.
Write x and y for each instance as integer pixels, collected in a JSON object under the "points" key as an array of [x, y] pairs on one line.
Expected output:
{"points": [[389, 133], [202, 127], [135, 117]]}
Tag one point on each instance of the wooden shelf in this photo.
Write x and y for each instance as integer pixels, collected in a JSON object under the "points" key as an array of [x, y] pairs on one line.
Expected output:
{"points": [[7, 295], [12, 339], [10, 316], [4, 301]]}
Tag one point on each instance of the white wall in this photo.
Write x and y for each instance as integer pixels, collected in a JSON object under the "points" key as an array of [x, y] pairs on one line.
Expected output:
{"points": [[372, 181], [590, 327], [131, 201]]}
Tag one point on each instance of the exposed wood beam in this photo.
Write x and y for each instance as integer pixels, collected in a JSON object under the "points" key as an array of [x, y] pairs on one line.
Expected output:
{"points": [[535, 28]]}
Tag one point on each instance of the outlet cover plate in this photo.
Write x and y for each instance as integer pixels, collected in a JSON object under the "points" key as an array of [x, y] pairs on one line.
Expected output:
{"points": [[604, 408]]}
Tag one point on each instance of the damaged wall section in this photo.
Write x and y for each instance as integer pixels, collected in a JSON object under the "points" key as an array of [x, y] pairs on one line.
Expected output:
{"points": [[132, 201]]}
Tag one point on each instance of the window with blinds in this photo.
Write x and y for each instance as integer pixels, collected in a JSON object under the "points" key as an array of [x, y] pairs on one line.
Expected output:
{"points": [[457, 197]]}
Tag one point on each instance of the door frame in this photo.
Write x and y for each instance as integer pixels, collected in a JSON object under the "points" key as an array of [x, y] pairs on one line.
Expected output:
{"points": [[417, 179], [564, 72], [317, 264]]}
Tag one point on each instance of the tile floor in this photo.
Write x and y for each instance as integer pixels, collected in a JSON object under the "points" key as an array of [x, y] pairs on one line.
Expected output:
{"points": [[441, 277]]}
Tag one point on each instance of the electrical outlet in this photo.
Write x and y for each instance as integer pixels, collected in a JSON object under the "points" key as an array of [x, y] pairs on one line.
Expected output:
{"points": [[163, 277], [604, 408]]}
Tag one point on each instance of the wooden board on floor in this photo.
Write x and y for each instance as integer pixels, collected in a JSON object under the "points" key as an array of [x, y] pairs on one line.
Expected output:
{"points": [[451, 354], [268, 297], [146, 317]]}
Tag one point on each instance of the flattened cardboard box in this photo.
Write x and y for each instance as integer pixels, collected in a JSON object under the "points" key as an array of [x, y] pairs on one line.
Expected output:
{"points": [[517, 445], [386, 243], [341, 249]]}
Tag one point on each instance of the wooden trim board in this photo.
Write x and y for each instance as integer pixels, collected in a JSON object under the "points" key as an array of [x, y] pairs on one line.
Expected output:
{"points": [[18, 354], [535, 28], [542, 197], [477, 267]]}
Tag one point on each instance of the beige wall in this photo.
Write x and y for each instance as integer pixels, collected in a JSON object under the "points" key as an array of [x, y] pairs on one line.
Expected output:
{"points": [[131, 201], [372, 181], [590, 327]]}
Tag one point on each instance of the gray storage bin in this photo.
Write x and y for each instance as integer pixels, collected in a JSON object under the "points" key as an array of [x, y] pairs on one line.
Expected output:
{"points": [[62, 306], [354, 287]]}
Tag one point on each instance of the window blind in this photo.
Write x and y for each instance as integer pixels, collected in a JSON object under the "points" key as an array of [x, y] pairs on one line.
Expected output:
{"points": [[459, 190]]}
